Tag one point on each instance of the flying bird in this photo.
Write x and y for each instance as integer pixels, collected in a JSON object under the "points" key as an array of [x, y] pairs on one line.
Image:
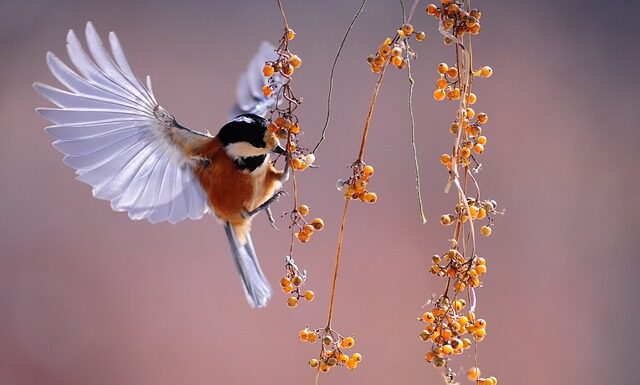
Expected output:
{"points": [[135, 154]]}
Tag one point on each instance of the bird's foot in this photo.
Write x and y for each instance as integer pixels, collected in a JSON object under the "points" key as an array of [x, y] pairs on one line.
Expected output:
{"points": [[265, 206]]}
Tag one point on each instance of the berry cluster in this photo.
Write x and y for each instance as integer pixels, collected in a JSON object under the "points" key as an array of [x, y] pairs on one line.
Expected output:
{"points": [[333, 346], [356, 186], [395, 51], [303, 230], [455, 18], [291, 284], [450, 329], [285, 124], [477, 210]]}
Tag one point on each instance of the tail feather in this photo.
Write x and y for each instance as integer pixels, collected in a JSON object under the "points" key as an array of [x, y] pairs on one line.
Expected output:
{"points": [[255, 284]]}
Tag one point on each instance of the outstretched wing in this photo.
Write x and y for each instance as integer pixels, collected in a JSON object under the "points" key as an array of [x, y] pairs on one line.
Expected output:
{"points": [[118, 138], [249, 96]]}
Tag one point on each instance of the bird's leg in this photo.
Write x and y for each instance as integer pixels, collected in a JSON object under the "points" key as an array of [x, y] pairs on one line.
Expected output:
{"points": [[285, 172], [265, 206], [272, 221]]}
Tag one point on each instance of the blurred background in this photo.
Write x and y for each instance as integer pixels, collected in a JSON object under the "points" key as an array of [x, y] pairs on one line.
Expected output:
{"points": [[88, 296]]}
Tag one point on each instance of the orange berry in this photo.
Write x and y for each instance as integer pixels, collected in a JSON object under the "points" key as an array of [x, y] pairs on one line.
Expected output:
{"points": [[295, 128], [439, 94], [470, 113], [472, 98], [287, 289], [287, 71], [482, 140], [352, 364], [292, 302], [482, 118], [443, 68], [420, 36], [396, 51], [368, 170], [303, 335], [494, 381], [357, 357], [407, 29], [347, 342], [397, 61], [482, 213], [309, 229], [452, 72], [312, 337], [486, 72], [442, 83], [303, 210], [309, 295], [295, 61], [266, 90], [473, 211], [384, 50], [447, 349], [314, 363], [478, 148], [465, 152], [428, 317], [485, 231], [285, 282], [454, 94], [371, 197], [303, 237], [318, 224], [445, 159], [268, 70], [481, 269], [432, 9], [473, 373], [291, 34], [446, 220]]}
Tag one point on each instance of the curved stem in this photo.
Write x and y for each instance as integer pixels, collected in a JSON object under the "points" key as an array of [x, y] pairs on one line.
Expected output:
{"points": [[337, 263]]}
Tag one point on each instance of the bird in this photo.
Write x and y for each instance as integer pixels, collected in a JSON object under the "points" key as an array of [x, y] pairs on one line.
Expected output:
{"points": [[134, 153]]}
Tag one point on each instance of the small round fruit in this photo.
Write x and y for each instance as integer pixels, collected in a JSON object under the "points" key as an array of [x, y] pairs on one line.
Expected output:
{"points": [[368, 170], [313, 363], [473, 373], [486, 72], [292, 302], [268, 70], [443, 68], [291, 34], [317, 224], [485, 231], [295, 61], [309, 295], [347, 342], [266, 91], [303, 210], [439, 94]]}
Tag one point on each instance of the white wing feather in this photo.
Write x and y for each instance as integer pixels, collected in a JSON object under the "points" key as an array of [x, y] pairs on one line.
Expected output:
{"points": [[116, 136], [249, 96]]}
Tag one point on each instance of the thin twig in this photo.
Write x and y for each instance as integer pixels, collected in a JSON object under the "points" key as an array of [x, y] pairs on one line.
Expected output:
{"points": [[337, 263], [413, 143], [333, 67]]}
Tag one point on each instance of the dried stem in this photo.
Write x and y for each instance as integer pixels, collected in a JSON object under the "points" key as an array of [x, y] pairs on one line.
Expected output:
{"points": [[333, 67], [337, 263]]}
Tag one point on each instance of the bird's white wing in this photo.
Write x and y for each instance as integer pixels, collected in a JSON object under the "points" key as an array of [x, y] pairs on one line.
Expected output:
{"points": [[249, 96], [116, 136]]}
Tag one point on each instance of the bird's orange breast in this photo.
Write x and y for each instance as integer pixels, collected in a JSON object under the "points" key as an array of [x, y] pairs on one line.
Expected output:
{"points": [[230, 190]]}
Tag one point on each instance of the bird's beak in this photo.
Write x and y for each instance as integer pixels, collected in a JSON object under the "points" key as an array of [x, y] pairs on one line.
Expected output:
{"points": [[278, 149]]}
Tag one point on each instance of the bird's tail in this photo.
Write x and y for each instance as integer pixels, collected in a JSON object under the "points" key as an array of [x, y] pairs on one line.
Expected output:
{"points": [[256, 286]]}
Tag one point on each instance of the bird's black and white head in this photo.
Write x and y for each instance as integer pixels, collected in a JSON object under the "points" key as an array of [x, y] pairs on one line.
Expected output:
{"points": [[248, 142]]}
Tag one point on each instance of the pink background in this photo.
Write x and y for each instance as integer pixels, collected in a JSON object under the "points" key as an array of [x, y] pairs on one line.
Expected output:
{"points": [[89, 297]]}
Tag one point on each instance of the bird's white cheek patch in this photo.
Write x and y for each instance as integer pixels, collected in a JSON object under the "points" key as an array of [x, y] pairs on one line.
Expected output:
{"points": [[243, 150]]}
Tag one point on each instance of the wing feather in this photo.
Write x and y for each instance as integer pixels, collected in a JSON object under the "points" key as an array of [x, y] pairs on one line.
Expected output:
{"points": [[117, 137]]}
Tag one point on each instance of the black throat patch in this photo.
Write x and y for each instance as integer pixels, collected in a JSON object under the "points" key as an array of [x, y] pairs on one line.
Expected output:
{"points": [[250, 163]]}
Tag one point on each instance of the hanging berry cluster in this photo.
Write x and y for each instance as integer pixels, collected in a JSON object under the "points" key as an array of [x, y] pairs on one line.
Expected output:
{"points": [[395, 51], [333, 349], [449, 327], [285, 124]]}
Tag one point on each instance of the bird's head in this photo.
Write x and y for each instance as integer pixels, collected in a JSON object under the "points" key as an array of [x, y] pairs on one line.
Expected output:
{"points": [[247, 136]]}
